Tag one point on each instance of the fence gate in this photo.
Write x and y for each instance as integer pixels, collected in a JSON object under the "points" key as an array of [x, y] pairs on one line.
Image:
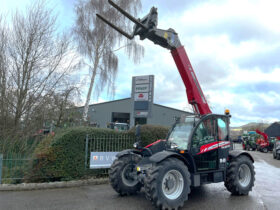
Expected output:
{"points": [[100, 150]]}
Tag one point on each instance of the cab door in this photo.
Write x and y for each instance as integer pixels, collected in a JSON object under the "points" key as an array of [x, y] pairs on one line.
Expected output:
{"points": [[204, 145], [224, 140]]}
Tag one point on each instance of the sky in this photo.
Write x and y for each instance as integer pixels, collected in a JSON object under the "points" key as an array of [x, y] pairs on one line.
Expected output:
{"points": [[233, 45]]}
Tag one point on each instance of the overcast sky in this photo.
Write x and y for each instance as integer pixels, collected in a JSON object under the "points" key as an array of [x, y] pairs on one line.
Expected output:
{"points": [[234, 47]]}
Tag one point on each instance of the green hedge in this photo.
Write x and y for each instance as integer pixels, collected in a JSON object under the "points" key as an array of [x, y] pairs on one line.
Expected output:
{"points": [[62, 157]]}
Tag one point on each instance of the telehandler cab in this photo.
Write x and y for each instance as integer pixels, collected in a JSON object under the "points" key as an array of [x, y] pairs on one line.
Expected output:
{"points": [[198, 148]]}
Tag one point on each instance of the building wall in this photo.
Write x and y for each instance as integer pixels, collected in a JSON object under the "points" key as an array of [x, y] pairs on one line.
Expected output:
{"points": [[162, 115], [102, 113]]}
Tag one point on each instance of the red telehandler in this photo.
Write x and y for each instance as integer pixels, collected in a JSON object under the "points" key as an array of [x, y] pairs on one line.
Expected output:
{"points": [[263, 145], [197, 149]]}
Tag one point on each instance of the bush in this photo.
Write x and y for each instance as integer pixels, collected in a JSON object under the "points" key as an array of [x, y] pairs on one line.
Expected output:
{"points": [[62, 157]]}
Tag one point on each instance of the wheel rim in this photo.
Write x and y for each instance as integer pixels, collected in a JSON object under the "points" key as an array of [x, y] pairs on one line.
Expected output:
{"points": [[129, 177], [172, 184], [244, 175]]}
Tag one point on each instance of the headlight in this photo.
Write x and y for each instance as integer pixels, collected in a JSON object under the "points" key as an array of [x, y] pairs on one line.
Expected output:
{"points": [[143, 167], [173, 145]]}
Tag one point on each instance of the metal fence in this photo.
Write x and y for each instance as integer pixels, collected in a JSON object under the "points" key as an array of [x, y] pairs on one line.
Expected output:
{"points": [[107, 143], [12, 167]]}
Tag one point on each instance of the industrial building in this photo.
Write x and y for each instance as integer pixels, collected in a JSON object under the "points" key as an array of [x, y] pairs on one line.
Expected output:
{"points": [[138, 109], [122, 111], [273, 130]]}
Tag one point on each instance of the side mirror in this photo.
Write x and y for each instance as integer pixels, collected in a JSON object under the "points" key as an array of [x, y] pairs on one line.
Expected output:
{"points": [[137, 144]]}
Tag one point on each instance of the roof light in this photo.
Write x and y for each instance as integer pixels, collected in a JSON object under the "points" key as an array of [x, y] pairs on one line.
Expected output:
{"points": [[227, 112]]}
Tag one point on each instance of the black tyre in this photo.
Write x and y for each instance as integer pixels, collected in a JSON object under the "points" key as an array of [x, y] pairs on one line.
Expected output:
{"points": [[167, 184], [123, 175], [240, 176], [278, 156]]}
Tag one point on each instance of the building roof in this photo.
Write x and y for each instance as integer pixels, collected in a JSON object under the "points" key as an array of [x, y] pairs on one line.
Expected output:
{"points": [[130, 98]]}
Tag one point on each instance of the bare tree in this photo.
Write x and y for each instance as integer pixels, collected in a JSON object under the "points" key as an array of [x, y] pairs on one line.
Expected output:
{"points": [[97, 41], [40, 60], [4, 111]]}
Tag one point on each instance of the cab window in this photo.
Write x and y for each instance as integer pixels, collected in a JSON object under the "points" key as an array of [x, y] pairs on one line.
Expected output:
{"points": [[204, 134], [222, 129]]}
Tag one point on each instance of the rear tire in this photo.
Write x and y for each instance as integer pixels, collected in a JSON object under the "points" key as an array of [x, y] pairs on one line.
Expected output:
{"points": [[278, 156], [167, 184], [123, 175], [240, 176]]}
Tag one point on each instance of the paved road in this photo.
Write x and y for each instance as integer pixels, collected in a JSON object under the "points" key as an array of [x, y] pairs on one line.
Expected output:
{"points": [[265, 195]]}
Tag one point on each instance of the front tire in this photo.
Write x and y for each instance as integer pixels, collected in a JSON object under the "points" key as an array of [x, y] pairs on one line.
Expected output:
{"points": [[123, 175], [167, 184], [240, 176]]}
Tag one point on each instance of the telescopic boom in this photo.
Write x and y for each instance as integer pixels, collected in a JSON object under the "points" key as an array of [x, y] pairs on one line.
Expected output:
{"points": [[146, 28]]}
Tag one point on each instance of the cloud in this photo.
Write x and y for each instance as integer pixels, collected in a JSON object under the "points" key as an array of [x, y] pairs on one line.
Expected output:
{"points": [[234, 50]]}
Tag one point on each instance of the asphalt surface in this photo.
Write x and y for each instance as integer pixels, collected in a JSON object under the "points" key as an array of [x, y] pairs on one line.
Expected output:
{"points": [[265, 195]]}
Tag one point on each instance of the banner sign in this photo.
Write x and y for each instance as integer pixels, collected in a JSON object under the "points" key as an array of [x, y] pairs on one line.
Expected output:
{"points": [[102, 159]]}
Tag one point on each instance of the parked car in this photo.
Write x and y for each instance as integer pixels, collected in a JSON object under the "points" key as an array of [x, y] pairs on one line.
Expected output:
{"points": [[276, 150], [118, 126]]}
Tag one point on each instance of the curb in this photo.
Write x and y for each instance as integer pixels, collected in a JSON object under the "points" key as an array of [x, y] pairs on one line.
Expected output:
{"points": [[52, 185]]}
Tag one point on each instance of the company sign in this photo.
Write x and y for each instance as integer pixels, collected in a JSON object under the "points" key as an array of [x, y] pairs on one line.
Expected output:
{"points": [[141, 114], [142, 80], [143, 94], [102, 159], [141, 97], [142, 88]]}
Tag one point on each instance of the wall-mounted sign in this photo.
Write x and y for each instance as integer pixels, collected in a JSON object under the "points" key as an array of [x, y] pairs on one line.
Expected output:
{"points": [[102, 159], [141, 114], [141, 97]]}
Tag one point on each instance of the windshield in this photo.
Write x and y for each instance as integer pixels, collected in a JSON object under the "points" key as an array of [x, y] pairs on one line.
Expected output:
{"points": [[181, 132], [121, 127]]}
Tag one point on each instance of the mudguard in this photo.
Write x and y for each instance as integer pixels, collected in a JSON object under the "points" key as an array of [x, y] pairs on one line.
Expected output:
{"points": [[160, 156], [127, 152], [236, 153]]}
